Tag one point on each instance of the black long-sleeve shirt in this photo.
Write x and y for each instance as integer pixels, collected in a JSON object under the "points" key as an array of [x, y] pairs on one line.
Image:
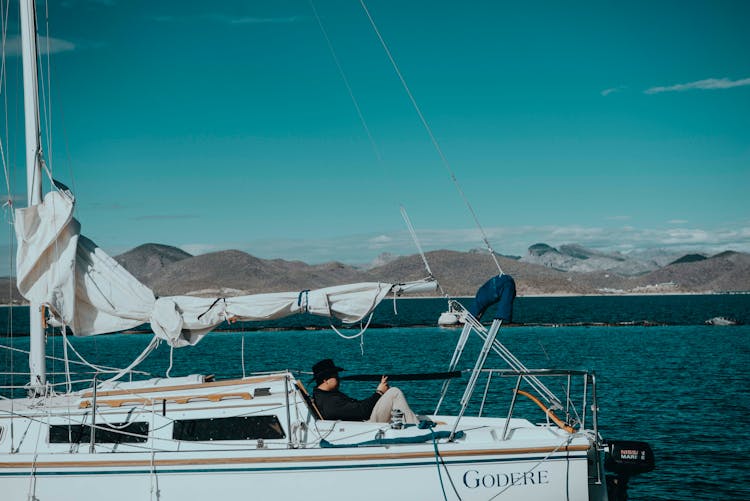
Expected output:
{"points": [[335, 405]]}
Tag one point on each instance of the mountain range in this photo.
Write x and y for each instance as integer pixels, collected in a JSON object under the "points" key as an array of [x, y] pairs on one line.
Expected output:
{"points": [[544, 270]]}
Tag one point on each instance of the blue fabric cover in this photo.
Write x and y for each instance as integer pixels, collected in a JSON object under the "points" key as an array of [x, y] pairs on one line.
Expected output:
{"points": [[437, 435], [500, 289]]}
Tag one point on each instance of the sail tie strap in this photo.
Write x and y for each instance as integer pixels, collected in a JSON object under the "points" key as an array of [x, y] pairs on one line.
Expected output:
{"points": [[211, 307], [303, 303]]}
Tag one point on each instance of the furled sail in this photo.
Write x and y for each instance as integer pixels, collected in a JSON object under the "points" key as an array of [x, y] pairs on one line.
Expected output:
{"points": [[91, 293]]}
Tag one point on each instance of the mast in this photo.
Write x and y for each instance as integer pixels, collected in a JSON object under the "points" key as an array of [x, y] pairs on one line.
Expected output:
{"points": [[37, 362]]}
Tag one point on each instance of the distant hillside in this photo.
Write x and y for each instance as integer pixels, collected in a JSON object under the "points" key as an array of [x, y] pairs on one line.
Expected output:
{"points": [[689, 258], [148, 260], [572, 257], [462, 273], [234, 272], [728, 271], [170, 271]]}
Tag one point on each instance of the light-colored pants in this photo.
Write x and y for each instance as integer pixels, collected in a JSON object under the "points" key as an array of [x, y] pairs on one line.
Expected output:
{"points": [[392, 399]]}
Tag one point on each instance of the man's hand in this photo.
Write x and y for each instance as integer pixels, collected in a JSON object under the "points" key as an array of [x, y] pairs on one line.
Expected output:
{"points": [[383, 386]]}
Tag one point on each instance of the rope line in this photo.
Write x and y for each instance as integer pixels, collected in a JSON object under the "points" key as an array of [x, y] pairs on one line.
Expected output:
{"points": [[47, 97], [346, 83], [171, 359], [433, 139], [344, 336], [69, 384], [413, 233], [103, 368], [437, 463], [366, 128], [145, 353], [96, 368], [539, 463]]}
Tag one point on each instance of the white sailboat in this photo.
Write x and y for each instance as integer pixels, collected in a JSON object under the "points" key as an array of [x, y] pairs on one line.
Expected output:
{"points": [[178, 439]]}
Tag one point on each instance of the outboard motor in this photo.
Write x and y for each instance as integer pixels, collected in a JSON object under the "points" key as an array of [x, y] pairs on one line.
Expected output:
{"points": [[625, 459]]}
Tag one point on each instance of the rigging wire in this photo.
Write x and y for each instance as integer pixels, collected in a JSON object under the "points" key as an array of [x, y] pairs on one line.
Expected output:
{"points": [[366, 128], [69, 385], [370, 137], [100, 368], [4, 90], [45, 90], [46, 166], [416, 240], [346, 83], [242, 357], [8, 205], [49, 108], [433, 139], [419, 248]]}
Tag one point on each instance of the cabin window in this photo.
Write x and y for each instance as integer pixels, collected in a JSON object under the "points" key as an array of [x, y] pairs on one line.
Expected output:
{"points": [[232, 428], [118, 433]]}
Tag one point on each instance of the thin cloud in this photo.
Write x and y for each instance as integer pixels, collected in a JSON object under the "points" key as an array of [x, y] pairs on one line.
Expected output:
{"points": [[381, 240], [677, 221], [45, 46], [607, 92], [707, 84]]}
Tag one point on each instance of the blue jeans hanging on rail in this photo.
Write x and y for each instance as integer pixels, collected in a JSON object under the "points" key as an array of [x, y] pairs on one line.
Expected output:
{"points": [[500, 289]]}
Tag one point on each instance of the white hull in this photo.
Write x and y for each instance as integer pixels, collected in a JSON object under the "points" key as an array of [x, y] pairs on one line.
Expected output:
{"points": [[295, 475], [722, 321], [533, 462]]}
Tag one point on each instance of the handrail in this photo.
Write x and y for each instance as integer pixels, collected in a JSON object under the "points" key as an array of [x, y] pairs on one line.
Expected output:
{"points": [[538, 372], [579, 397]]}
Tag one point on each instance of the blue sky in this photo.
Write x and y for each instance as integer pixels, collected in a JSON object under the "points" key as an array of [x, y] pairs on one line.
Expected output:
{"points": [[619, 126]]}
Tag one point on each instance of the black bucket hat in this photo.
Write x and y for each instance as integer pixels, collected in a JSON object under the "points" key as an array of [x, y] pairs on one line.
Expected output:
{"points": [[325, 368]]}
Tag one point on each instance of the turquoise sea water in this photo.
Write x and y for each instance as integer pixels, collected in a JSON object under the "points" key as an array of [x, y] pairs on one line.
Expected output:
{"points": [[682, 387]]}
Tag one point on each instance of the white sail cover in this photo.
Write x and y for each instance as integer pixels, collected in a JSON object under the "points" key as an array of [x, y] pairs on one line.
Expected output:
{"points": [[91, 293]]}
